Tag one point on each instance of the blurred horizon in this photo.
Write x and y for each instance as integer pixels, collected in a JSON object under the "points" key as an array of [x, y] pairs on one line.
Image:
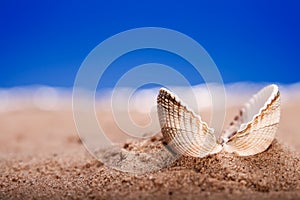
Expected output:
{"points": [[44, 43]]}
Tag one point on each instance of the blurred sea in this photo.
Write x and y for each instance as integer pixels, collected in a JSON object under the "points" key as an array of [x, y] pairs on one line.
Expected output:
{"points": [[142, 100]]}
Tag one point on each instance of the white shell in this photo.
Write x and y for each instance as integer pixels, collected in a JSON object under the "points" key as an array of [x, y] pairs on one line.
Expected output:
{"points": [[252, 131], [259, 123], [183, 130]]}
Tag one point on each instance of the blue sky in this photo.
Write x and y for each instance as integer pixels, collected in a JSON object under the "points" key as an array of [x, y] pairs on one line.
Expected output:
{"points": [[45, 42]]}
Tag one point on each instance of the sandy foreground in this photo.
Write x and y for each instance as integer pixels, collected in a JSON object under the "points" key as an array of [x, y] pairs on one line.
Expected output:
{"points": [[41, 156]]}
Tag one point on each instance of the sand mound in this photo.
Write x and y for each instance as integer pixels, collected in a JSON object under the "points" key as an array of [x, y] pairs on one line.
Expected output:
{"points": [[276, 169], [274, 173]]}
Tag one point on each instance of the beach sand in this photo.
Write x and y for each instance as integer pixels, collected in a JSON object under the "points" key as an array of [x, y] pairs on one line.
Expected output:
{"points": [[41, 156]]}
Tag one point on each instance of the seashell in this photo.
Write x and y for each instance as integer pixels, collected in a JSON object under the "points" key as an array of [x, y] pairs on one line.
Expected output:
{"points": [[251, 132], [182, 129], [259, 120]]}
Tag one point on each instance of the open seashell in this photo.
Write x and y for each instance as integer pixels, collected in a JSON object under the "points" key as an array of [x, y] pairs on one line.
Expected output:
{"points": [[259, 120], [251, 132], [182, 129]]}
